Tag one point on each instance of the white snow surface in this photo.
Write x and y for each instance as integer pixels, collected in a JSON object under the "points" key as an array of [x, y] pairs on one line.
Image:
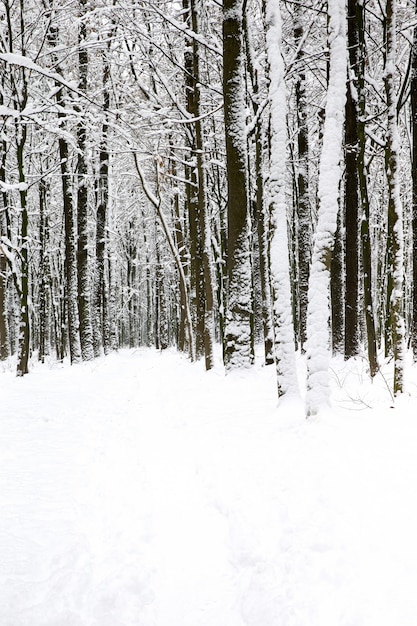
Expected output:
{"points": [[138, 490]]}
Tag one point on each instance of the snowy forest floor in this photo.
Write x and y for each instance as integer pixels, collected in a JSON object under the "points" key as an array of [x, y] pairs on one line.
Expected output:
{"points": [[138, 490]]}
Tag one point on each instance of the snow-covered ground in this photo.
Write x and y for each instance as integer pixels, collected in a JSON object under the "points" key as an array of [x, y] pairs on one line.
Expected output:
{"points": [[138, 490]]}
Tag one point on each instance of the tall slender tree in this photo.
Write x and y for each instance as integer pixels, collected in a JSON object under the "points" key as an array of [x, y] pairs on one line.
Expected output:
{"points": [[280, 270], [366, 255], [238, 350], [303, 194], [351, 195], [395, 263], [203, 209], [70, 265], [413, 99], [318, 343], [101, 296], [83, 274]]}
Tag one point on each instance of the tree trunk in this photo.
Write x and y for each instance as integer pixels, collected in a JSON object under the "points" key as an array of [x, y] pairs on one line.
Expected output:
{"points": [[260, 211], [192, 187], [21, 137], [351, 195], [336, 289], [413, 98], [284, 346], [303, 198], [364, 198], [44, 281], [238, 351], [71, 279], [84, 309], [395, 265], [318, 353], [101, 321], [71, 291], [203, 209], [4, 339]]}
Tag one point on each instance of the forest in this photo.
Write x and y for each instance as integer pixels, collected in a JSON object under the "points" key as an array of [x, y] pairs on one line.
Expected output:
{"points": [[187, 173]]}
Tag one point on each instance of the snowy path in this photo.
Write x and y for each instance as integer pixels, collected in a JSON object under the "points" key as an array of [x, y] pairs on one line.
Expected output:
{"points": [[140, 491]]}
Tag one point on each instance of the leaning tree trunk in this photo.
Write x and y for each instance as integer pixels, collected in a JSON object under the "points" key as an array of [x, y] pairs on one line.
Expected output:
{"points": [[318, 342], [238, 349]]}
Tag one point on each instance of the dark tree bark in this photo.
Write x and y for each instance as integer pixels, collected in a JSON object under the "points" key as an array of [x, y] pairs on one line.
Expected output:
{"points": [[364, 197], [203, 209], [70, 265], [238, 350], [413, 98], [44, 279], [395, 321], [4, 339], [100, 298], [84, 308], [351, 194], [21, 134], [4, 335], [70, 246], [192, 191], [336, 288], [303, 198], [260, 213]]}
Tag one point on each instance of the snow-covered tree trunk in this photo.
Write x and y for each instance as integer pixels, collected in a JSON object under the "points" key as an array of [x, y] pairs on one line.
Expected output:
{"points": [[20, 97], [100, 296], [71, 280], [44, 282], [395, 227], [303, 199], [260, 210], [4, 335], [24, 326], [284, 346], [413, 98], [192, 190], [84, 308], [4, 343], [70, 242], [318, 342], [238, 350]]}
